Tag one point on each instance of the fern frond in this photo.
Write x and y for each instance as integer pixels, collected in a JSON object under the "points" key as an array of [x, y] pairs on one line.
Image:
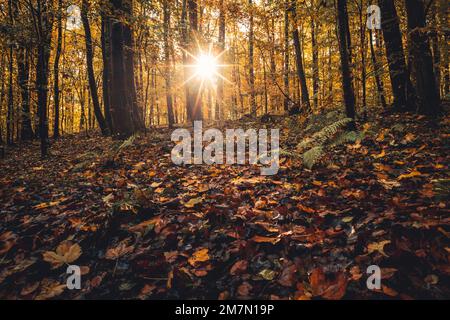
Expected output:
{"points": [[312, 156]]}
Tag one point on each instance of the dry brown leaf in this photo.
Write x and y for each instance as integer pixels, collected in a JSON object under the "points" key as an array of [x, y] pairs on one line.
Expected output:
{"points": [[239, 267], [119, 251], [331, 287]]}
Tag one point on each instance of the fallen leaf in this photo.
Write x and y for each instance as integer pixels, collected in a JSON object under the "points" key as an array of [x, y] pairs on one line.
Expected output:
{"points": [[198, 257], [65, 253], [328, 286], [262, 239], [268, 274], [239, 267], [119, 251], [193, 202], [378, 246], [413, 174], [7, 241]]}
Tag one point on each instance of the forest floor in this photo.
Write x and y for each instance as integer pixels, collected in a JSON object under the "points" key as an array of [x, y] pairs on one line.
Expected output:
{"points": [[141, 227]]}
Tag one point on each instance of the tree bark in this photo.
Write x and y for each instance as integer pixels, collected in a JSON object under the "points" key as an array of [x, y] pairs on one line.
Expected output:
{"points": [[402, 88], [286, 56], [90, 68], [168, 76], [349, 95], [120, 108], [106, 57], [251, 61], [376, 71], [299, 60], [422, 60], [194, 92], [56, 133], [219, 112]]}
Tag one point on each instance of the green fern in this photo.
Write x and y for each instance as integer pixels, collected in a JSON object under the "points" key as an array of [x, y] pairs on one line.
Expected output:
{"points": [[312, 156]]}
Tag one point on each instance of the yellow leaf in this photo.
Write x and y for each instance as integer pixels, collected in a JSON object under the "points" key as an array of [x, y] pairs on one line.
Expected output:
{"points": [[413, 174], [193, 202], [261, 239], [198, 257], [381, 155], [378, 246], [65, 254]]}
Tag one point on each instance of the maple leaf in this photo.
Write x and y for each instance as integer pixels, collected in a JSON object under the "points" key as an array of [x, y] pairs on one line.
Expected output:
{"points": [[65, 253], [198, 257]]}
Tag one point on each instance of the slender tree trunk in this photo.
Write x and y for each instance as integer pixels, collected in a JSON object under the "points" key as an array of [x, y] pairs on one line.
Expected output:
{"points": [[129, 47], [376, 71], [9, 116], [90, 69], [251, 61], [362, 39], [219, 112], [56, 133], [315, 57], [443, 17], [286, 56], [422, 60], [2, 93], [106, 57], [195, 94], [402, 88], [299, 60], [168, 76], [44, 31], [349, 95]]}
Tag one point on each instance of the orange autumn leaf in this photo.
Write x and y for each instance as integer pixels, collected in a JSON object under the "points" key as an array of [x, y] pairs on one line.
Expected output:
{"points": [[262, 239], [198, 257]]}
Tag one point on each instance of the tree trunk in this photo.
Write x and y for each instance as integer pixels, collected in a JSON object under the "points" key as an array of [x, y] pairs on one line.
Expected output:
{"points": [[194, 94], [299, 60], [376, 71], [349, 95], [286, 56], [315, 57], [422, 60], [443, 17], [168, 78], [129, 46], [9, 115], [56, 73], [120, 108], [44, 31], [90, 69], [251, 61], [402, 88], [106, 57], [219, 112]]}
